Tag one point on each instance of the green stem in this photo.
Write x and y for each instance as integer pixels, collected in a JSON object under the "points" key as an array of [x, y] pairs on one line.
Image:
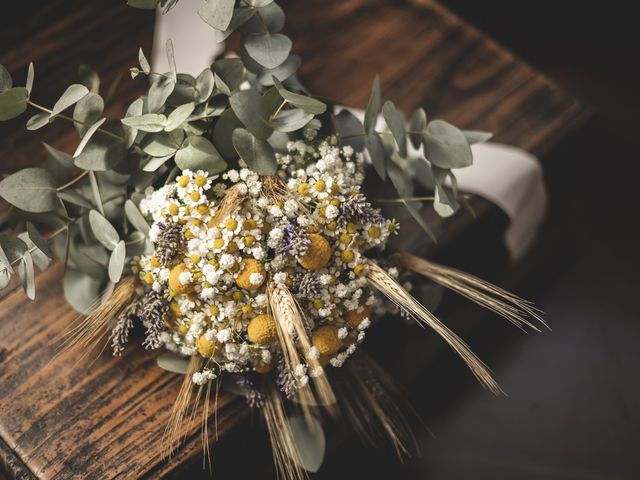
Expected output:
{"points": [[284, 102], [72, 181], [403, 200]]}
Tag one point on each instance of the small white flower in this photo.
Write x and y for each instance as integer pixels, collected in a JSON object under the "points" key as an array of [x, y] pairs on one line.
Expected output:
{"points": [[224, 335], [256, 278], [185, 278], [313, 353], [342, 333], [280, 277]]}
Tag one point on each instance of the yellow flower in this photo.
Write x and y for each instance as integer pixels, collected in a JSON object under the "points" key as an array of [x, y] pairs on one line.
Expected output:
{"points": [[374, 231], [148, 278], [326, 340], [195, 196], [347, 256], [250, 224], [183, 329], [214, 310], [355, 317], [183, 181], [218, 243], [154, 262], [358, 269], [207, 348], [173, 209], [262, 330], [249, 240], [247, 309], [319, 186], [200, 180], [303, 188], [318, 254], [249, 267], [231, 224], [203, 209], [174, 279]]}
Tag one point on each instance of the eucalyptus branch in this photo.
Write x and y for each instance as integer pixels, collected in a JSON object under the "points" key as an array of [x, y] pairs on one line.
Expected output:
{"points": [[65, 117], [73, 181], [275, 114], [403, 200]]}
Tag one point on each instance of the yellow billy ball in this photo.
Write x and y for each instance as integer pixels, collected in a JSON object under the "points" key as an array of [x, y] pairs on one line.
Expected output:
{"points": [[174, 280], [355, 317], [248, 268], [318, 254], [262, 330], [207, 348], [326, 340]]}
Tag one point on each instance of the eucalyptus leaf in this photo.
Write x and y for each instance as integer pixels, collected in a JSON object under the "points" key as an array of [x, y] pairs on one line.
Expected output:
{"points": [[27, 275], [89, 78], [271, 16], [223, 132], [282, 72], [259, 3], [240, 16], [160, 90], [103, 230], [230, 70], [143, 4], [268, 49], [102, 152], [246, 106], [70, 96], [446, 146], [130, 133], [6, 82], [309, 440], [417, 123], [173, 363], [205, 83], [378, 154], [155, 163], [308, 104], [217, 13], [171, 59], [395, 122], [116, 261], [258, 154], [13, 249], [13, 103], [39, 259], [148, 122], [87, 136], [81, 291], [350, 130], [373, 107], [39, 120], [31, 190], [198, 153], [75, 198], [291, 120], [476, 136], [30, 78], [87, 112], [162, 144], [135, 217], [38, 241], [144, 63], [178, 116]]}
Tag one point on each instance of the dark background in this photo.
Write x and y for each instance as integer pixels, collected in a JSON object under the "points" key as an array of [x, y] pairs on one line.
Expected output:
{"points": [[572, 409]]}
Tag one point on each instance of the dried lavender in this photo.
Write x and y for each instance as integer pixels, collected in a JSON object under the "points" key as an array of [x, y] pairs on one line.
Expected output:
{"points": [[253, 395], [120, 333], [169, 242], [307, 285], [294, 242], [358, 208], [153, 308], [285, 379]]}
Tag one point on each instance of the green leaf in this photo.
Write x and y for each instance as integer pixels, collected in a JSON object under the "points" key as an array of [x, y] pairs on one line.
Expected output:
{"points": [[13, 249], [102, 152], [445, 146], [268, 49], [39, 120], [89, 78], [162, 144], [178, 116], [71, 95], [417, 123], [149, 122], [308, 104], [155, 163], [270, 16], [173, 363], [87, 112], [257, 154], [5, 268], [73, 197], [373, 107], [30, 77], [378, 154], [116, 261], [350, 129], [476, 136], [246, 104], [395, 122], [161, 88], [171, 59], [38, 241], [144, 63], [309, 440], [205, 83], [135, 217], [198, 153], [6, 82], [259, 3], [143, 4], [281, 72], [134, 110], [291, 120], [13, 103], [81, 291], [39, 259], [31, 190], [231, 71], [223, 132], [27, 275], [217, 13], [103, 230], [87, 136], [240, 16]]}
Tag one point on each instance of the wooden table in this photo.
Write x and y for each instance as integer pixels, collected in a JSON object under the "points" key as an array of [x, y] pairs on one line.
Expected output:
{"points": [[61, 419]]}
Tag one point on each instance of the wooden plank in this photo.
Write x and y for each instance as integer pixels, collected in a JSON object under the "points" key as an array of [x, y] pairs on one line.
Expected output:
{"points": [[105, 420]]}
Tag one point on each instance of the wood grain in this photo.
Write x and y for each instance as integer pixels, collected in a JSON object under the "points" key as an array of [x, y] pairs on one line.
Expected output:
{"points": [[63, 419]]}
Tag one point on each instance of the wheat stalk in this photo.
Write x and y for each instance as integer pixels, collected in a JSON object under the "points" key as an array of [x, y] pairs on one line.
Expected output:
{"points": [[233, 198], [383, 282], [509, 306]]}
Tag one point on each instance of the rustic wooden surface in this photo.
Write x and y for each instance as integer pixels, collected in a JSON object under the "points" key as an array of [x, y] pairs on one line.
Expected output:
{"points": [[60, 418]]}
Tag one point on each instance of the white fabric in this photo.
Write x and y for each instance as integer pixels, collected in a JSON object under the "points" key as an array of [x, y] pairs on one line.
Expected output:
{"points": [[506, 176], [185, 29]]}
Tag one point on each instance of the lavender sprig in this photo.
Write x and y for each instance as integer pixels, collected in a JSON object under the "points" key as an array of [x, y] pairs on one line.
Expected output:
{"points": [[120, 333], [358, 208], [294, 242], [254, 396], [153, 308], [169, 242]]}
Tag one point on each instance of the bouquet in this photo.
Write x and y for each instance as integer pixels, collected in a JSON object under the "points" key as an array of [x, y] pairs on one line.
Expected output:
{"points": [[249, 229]]}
